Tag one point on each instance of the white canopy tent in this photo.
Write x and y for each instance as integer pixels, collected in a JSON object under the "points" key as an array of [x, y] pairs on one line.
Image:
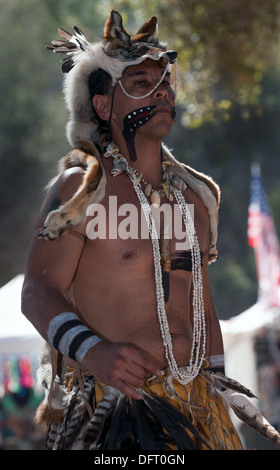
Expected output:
{"points": [[239, 335], [17, 335]]}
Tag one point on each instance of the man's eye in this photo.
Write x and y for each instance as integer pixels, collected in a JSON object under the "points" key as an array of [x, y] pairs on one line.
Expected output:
{"points": [[142, 83]]}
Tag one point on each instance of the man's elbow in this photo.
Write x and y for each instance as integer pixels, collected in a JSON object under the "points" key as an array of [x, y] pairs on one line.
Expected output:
{"points": [[27, 296]]}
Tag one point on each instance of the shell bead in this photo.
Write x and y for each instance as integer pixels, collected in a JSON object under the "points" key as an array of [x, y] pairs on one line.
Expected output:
{"points": [[178, 183], [155, 199], [137, 180], [118, 168], [148, 189]]}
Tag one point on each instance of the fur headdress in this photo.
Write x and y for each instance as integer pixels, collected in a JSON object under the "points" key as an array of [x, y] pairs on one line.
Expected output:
{"points": [[114, 53]]}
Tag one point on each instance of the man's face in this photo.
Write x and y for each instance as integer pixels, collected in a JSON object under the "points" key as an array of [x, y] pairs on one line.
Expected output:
{"points": [[138, 81]]}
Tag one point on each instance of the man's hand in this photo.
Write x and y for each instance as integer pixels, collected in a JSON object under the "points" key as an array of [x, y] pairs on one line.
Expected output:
{"points": [[120, 365]]}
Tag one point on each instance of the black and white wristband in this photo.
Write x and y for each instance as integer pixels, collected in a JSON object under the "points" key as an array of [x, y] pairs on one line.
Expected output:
{"points": [[216, 363], [67, 334]]}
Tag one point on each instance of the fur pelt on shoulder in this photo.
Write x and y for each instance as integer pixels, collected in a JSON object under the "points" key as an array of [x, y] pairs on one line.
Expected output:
{"points": [[208, 191]]}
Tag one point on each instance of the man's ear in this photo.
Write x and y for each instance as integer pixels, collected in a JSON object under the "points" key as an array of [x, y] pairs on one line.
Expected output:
{"points": [[102, 105]]}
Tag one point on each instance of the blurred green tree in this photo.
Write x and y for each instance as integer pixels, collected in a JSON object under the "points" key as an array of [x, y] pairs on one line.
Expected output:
{"points": [[229, 97], [32, 114], [225, 48]]}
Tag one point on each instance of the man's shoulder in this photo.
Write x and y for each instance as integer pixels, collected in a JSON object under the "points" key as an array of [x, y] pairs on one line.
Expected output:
{"points": [[66, 183], [197, 180], [208, 191], [73, 166], [207, 179]]}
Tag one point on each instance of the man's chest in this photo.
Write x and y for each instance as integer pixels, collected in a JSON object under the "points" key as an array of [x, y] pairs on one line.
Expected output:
{"points": [[122, 215]]}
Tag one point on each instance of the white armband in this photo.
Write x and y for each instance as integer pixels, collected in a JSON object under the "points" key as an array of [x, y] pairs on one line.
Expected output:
{"points": [[67, 334]]}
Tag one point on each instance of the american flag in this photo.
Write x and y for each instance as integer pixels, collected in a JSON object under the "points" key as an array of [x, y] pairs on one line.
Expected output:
{"points": [[262, 236]]}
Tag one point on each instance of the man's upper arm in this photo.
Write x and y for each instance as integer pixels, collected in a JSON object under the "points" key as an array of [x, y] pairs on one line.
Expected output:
{"points": [[54, 262]]}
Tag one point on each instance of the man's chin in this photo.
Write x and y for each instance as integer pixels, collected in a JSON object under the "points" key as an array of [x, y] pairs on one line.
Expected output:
{"points": [[163, 122], [158, 129]]}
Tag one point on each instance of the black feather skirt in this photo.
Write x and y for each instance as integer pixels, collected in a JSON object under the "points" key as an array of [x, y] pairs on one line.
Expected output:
{"points": [[184, 418]]}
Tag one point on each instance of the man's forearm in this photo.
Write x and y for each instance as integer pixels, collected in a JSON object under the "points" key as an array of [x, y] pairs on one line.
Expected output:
{"points": [[41, 303]]}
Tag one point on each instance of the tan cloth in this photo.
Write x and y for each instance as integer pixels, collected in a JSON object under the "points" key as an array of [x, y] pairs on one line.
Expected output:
{"points": [[208, 415]]}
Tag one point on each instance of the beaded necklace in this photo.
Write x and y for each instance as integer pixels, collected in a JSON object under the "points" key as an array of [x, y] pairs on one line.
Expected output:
{"points": [[176, 185]]}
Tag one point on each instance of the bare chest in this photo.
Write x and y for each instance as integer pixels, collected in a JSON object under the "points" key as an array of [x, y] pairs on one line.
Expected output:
{"points": [[120, 220]]}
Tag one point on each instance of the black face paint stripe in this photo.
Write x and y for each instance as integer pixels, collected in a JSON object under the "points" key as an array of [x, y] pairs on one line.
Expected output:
{"points": [[132, 121], [137, 117]]}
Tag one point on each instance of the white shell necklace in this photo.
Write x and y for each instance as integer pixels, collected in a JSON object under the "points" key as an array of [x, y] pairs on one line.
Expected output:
{"points": [[186, 374]]}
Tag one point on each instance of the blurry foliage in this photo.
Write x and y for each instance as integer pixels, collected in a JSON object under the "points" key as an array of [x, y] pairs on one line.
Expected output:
{"points": [[229, 114], [32, 114], [224, 49]]}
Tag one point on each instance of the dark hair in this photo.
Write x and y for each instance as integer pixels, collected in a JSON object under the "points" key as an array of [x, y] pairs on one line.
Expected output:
{"points": [[99, 83]]}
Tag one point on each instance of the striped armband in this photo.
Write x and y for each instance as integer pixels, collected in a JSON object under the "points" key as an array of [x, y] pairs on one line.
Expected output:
{"points": [[67, 334], [216, 363]]}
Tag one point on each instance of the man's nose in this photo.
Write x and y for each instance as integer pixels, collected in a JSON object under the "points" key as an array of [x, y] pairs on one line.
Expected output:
{"points": [[161, 92]]}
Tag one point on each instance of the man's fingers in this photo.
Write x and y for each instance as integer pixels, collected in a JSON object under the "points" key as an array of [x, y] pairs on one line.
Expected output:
{"points": [[127, 390], [133, 380], [137, 371], [144, 363], [122, 366], [151, 367], [148, 366]]}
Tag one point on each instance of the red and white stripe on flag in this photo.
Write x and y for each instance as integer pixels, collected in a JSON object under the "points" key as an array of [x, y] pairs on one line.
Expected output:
{"points": [[262, 236]]}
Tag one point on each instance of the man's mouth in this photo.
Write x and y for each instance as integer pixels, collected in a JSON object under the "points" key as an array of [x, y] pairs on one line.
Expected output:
{"points": [[162, 109], [165, 110], [138, 118]]}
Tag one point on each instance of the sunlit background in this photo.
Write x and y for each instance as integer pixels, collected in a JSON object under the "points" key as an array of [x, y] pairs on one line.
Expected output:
{"points": [[228, 109]]}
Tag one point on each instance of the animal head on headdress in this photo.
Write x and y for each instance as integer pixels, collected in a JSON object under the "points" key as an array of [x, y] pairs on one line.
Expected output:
{"points": [[118, 43], [114, 53]]}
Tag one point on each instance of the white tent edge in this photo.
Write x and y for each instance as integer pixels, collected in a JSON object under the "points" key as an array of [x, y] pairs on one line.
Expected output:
{"points": [[17, 335]]}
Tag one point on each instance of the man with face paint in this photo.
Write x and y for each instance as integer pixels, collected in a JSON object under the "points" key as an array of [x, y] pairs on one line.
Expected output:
{"points": [[160, 93], [135, 353], [140, 118]]}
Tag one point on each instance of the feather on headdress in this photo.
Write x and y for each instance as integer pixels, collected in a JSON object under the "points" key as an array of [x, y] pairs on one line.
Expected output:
{"points": [[114, 53]]}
